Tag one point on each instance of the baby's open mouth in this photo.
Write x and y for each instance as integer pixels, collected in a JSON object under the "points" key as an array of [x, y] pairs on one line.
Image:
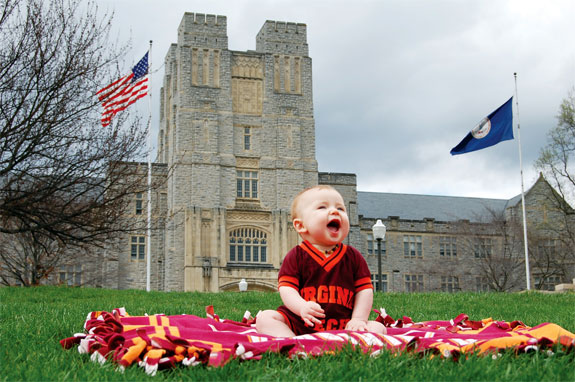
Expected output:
{"points": [[334, 225]]}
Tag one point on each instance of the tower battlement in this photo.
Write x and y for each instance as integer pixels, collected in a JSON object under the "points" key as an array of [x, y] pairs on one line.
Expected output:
{"points": [[282, 37], [199, 29]]}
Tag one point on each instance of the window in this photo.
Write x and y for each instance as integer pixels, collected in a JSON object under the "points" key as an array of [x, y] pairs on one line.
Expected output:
{"points": [[483, 248], [547, 247], [248, 245], [413, 283], [447, 246], [374, 281], [247, 184], [71, 275], [139, 203], [247, 138], [372, 245], [547, 282], [450, 284], [481, 284], [138, 247], [412, 246]]}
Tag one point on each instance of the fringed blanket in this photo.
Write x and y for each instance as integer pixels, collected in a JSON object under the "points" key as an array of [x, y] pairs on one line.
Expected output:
{"points": [[160, 341]]}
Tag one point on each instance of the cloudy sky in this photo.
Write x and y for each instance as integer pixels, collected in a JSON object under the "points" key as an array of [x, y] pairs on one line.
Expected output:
{"points": [[398, 83]]}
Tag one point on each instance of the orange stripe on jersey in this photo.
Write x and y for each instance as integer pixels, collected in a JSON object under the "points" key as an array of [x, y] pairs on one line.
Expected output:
{"points": [[288, 281], [315, 253], [363, 283], [326, 263]]}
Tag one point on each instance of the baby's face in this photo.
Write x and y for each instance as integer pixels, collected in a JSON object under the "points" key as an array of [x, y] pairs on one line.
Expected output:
{"points": [[322, 218]]}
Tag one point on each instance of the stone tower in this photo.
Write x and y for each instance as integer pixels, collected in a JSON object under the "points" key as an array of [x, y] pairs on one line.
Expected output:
{"points": [[237, 135]]}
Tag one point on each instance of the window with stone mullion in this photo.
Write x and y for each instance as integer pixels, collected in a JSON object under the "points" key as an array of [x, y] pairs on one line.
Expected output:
{"points": [[248, 245], [375, 282], [138, 247], [449, 284], [447, 246], [71, 275], [247, 184], [412, 246], [413, 282], [247, 138]]}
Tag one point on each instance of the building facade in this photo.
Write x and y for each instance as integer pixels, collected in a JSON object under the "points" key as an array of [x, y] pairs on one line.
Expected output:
{"points": [[238, 137], [237, 143]]}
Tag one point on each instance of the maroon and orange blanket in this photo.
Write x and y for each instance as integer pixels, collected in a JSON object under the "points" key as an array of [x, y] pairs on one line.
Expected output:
{"points": [[159, 341]]}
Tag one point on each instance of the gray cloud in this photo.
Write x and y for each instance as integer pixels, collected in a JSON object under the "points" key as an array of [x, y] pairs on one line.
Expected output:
{"points": [[397, 83]]}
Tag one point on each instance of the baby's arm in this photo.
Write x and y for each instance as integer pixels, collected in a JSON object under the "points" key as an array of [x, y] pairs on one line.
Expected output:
{"points": [[309, 311], [361, 310]]}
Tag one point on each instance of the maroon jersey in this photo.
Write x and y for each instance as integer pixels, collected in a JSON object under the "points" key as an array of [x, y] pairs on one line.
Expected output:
{"points": [[331, 281]]}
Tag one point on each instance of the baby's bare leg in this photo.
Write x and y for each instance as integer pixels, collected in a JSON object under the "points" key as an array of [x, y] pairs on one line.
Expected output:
{"points": [[376, 327], [273, 323]]}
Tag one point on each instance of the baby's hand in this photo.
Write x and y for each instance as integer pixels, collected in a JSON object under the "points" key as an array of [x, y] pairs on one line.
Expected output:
{"points": [[357, 325], [310, 312]]}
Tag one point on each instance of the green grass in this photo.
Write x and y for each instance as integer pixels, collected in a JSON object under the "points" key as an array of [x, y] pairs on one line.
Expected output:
{"points": [[33, 320]]}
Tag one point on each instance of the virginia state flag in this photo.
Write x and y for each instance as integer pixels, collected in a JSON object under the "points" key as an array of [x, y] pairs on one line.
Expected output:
{"points": [[496, 127]]}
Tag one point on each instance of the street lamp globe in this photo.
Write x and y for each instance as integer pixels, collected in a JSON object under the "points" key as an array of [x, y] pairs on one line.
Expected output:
{"points": [[243, 285], [378, 230]]}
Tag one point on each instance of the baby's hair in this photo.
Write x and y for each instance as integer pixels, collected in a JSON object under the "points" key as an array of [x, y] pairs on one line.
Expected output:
{"points": [[295, 202]]}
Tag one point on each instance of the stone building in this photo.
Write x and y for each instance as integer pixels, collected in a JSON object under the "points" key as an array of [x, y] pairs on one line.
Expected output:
{"points": [[237, 143], [445, 243], [237, 134]]}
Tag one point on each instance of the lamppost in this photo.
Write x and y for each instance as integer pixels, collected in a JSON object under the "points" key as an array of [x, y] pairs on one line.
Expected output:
{"points": [[379, 234]]}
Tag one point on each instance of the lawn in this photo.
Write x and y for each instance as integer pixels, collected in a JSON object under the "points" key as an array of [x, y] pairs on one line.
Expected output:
{"points": [[33, 320]]}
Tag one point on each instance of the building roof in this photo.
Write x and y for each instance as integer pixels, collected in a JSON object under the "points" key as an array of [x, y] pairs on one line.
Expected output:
{"points": [[381, 205]]}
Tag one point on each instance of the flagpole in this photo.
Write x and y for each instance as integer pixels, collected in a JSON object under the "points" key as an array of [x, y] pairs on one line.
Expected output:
{"points": [[149, 222], [527, 273]]}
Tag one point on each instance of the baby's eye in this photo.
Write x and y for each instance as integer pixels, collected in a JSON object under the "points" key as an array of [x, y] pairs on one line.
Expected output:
{"points": [[321, 207]]}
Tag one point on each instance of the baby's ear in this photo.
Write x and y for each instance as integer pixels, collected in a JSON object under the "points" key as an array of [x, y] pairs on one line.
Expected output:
{"points": [[298, 225]]}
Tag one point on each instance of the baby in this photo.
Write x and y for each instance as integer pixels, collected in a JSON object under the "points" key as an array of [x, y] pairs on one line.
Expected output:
{"points": [[323, 283]]}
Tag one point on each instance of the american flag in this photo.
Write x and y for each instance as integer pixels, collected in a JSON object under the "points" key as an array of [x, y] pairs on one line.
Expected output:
{"points": [[122, 93]]}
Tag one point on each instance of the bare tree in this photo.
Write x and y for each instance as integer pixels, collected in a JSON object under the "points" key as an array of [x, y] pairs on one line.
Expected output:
{"points": [[556, 159], [557, 163], [549, 259], [551, 253], [494, 242], [57, 164], [25, 261], [497, 246]]}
